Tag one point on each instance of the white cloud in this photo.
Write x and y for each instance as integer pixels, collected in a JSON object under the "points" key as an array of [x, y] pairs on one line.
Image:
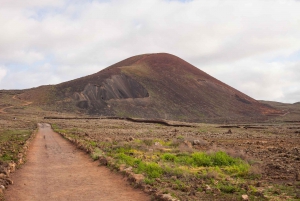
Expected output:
{"points": [[76, 38], [21, 4], [36, 76], [264, 81]]}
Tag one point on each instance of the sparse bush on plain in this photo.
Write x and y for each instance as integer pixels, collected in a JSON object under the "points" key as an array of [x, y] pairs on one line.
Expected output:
{"points": [[180, 137], [148, 142], [129, 160], [201, 159], [149, 181], [96, 154], [151, 169], [227, 188], [241, 169], [169, 157]]}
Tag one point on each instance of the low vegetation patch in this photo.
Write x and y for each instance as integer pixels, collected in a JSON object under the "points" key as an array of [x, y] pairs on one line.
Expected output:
{"points": [[11, 143]]}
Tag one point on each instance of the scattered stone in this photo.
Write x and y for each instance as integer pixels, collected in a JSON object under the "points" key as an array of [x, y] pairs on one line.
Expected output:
{"points": [[12, 167], [258, 184], [136, 178], [103, 161], [207, 188], [245, 186], [4, 170], [245, 197], [157, 144], [3, 176], [188, 144], [259, 194], [122, 167], [108, 140], [196, 142], [277, 192], [158, 180], [167, 197], [9, 181], [128, 170], [2, 187]]}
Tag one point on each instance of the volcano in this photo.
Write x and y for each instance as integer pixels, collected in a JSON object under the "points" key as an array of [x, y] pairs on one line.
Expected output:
{"points": [[159, 86]]}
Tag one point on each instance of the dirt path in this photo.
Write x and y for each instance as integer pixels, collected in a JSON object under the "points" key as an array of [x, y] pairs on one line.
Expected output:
{"points": [[56, 170], [3, 109], [14, 97], [25, 102]]}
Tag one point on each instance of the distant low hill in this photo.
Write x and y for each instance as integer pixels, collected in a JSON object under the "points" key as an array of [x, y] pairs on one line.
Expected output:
{"points": [[291, 110], [151, 86]]}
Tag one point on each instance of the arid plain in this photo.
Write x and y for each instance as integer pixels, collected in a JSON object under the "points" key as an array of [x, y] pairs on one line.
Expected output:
{"points": [[188, 161]]}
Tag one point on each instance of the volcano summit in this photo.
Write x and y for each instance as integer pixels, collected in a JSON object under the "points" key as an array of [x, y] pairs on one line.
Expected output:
{"points": [[151, 86]]}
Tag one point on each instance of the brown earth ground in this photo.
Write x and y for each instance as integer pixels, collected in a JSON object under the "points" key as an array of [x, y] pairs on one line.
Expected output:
{"points": [[272, 148], [55, 170]]}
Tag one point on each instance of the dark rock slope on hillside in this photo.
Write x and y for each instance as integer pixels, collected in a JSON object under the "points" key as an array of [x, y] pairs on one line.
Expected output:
{"points": [[152, 86]]}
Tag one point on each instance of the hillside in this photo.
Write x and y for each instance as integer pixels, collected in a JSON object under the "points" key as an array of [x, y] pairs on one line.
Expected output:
{"points": [[291, 111], [151, 86]]}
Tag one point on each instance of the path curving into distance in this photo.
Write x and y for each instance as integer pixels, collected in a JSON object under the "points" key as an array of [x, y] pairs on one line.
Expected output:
{"points": [[3, 109], [14, 97], [56, 170]]}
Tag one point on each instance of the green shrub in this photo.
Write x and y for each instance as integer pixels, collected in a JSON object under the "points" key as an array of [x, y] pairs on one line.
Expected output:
{"points": [[173, 171], [180, 185], [123, 158], [152, 170], [148, 142], [180, 137], [162, 142], [54, 126], [227, 188], [185, 159], [93, 143], [201, 159], [6, 157], [124, 149], [241, 169], [222, 159], [96, 154], [169, 157], [149, 181]]}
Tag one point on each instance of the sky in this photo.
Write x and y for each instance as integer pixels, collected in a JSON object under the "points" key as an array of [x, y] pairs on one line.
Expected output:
{"points": [[253, 46]]}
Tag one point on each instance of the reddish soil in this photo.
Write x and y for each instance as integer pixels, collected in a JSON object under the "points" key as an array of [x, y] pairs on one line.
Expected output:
{"points": [[55, 170]]}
